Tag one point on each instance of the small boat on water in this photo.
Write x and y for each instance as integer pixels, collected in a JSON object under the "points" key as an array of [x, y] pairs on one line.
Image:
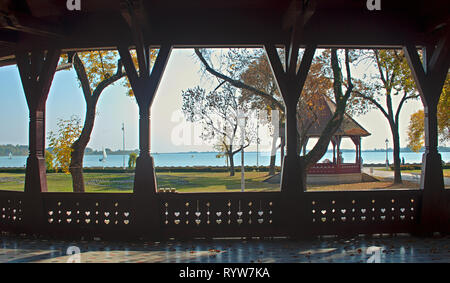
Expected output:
{"points": [[10, 155], [103, 159]]}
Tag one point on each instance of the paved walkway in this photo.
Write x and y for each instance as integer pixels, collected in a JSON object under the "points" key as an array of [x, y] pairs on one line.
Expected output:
{"points": [[400, 248], [390, 175]]}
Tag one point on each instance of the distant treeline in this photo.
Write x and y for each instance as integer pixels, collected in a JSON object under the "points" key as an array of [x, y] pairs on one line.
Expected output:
{"points": [[403, 149], [13, 149], [90, 151], [22, 150]]}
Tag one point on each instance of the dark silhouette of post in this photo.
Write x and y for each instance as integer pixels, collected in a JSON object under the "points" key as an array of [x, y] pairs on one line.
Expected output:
{"points": [[430, 75], [144, 79], [36, 69]]}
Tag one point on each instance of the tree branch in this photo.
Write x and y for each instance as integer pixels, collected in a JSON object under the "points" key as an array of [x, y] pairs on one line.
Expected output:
{"points": [[237, 83], [373, 101], [82, 76], [106, 82], [400, 105]]}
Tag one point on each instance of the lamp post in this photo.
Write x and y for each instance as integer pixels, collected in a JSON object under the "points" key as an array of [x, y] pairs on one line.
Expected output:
{"points": [[257, 141], [387, 160], [241, 123]]}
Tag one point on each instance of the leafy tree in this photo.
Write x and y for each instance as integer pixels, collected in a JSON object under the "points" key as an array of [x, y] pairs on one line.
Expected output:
{"points": [[393, 79], [416, 129], [250, 72], [218, 112], [132, 160], [49, 157], [61, 141], [96, 70]]}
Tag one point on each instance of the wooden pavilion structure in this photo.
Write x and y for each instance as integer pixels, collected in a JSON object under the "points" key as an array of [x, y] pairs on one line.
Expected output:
{"points": [[349, 128], [33, 34]]}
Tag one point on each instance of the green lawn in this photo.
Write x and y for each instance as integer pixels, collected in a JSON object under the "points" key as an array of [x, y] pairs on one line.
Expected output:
{"points": [[123, 182], [186, 182]]}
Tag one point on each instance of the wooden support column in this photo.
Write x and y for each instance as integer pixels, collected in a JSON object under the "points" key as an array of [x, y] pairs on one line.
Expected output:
{"points": [[144, 80], [36, 69], [145, 84], [290, 83], [357, 142], [429, 76]]}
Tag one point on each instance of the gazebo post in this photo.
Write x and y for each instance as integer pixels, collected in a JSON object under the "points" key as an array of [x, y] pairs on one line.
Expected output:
{"points": [[290, 84], [430, 77], [144, 84], [359, 150], [356, 141], [36, 69]]}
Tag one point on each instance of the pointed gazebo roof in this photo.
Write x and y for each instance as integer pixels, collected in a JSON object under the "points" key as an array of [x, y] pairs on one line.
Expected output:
{"points": [[348, 127]]}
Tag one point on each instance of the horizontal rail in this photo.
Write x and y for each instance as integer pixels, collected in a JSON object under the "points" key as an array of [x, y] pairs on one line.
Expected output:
{"points": [[236, 214]]}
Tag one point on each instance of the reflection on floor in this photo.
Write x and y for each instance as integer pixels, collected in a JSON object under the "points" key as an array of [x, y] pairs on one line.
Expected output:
{"points": [[384, 248]]}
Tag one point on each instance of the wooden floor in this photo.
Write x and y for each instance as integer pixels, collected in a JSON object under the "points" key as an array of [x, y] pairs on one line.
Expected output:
{"points": [[385, 248]]}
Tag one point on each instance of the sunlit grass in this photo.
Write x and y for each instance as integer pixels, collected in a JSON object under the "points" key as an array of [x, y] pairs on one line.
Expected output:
{"points": [[185, 182]]}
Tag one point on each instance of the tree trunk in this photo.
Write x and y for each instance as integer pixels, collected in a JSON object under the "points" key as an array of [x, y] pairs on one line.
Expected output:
{"points": [[273, 154], [304, 172], [272, 165], [231, 156], [79, 146], [397, 162]]}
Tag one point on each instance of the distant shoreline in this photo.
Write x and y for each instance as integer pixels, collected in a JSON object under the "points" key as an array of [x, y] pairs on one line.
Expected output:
{"points": [[209, 152]]}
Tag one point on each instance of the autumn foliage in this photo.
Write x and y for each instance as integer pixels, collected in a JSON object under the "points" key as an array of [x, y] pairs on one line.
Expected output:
{"points": [[61, 141]]}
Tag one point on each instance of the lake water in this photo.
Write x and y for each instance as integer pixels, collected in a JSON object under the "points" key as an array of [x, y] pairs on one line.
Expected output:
{"points": [[209, 159]]}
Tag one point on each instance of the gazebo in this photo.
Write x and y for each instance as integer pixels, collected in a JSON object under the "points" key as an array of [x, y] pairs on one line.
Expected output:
{"points": [[348, 129]]}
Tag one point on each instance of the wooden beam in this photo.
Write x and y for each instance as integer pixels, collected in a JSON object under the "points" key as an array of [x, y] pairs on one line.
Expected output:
{"points": [[158, 69], [129, 12], [8, 38], [298, 12], [23, 23], [305, 64], [129, 66], [305, 11], [430, 75], [276, 67]]}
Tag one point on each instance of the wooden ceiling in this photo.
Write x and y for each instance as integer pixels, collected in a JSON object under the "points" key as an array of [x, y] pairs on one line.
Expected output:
{"points": [[28, 24]]}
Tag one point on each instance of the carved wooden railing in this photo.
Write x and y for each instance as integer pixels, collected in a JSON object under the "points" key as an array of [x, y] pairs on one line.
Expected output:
{"points": [[92, 214], [363, 211], [180, 215], [11, 210], [220, 214], [331, 168]]}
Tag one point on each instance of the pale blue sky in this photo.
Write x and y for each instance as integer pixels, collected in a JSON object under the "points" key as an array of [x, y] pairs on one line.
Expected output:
{"points": [[114, 107]]}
